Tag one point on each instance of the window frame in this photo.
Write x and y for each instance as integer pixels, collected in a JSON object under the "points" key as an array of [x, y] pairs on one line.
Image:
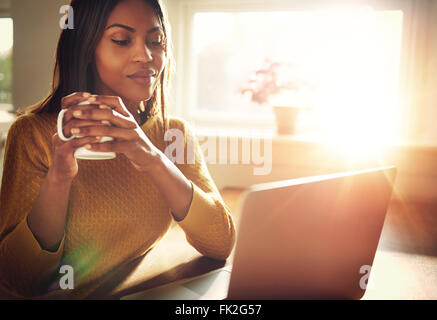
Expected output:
{"points": [[5, 9], [6, 12], [11, 105], [415, 21]]}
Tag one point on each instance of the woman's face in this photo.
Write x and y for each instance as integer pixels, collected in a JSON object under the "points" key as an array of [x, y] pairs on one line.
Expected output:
{"points": [[130, 56]]}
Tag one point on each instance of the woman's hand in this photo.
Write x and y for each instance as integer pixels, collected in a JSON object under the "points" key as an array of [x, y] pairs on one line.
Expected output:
{"points": [[64, 166], [107, 116]]}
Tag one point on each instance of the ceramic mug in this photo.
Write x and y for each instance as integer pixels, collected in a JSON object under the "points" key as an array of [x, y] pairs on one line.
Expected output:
{"points": [[82, 153]]}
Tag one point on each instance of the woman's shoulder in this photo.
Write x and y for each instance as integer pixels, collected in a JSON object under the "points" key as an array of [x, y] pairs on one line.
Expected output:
{"points": [[33, 124], [179, 123], [34, 120]]}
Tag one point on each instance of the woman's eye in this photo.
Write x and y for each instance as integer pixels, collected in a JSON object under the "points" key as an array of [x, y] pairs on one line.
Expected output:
{"points": [[121, 43], [156, 43]]}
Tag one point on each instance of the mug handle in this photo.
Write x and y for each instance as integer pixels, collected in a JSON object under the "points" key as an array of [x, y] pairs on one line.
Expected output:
{"points": [[60, 131]]}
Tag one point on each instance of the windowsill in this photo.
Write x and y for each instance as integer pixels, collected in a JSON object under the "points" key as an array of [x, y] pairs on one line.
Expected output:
{"points": [[264, 125], [269, 133], [6, 120], [6, 107]]}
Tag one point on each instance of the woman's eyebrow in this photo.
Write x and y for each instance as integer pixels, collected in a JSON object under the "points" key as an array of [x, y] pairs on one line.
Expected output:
{"points": [[154, 29], [121, 26]]}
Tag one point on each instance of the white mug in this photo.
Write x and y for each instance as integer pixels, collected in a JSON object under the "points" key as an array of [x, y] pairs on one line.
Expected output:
{"points": [[82, 153]]}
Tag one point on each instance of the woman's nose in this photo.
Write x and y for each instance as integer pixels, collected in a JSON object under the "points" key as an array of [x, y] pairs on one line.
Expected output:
{"points": [[142, 53]]}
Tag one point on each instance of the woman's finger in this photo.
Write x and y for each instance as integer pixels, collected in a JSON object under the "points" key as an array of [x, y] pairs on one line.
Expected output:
{"points": [[81, 142], [105, 131], [74, 98], [70, 146], [104, 115], [114, 102], [75, 123], [69, 113]]}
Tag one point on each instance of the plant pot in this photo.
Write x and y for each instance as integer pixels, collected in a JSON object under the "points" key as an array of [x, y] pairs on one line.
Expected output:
{"points": [[286, 118]]}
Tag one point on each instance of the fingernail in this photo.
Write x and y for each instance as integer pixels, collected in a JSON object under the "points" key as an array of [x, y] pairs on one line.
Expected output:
{"points": [[92, 99], [106, 122], [88, 146], [102, 106], [75, 130], [77, 113], [86, 94]]}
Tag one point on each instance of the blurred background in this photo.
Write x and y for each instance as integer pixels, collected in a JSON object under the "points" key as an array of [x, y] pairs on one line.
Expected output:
{"points": [[333, 85]]}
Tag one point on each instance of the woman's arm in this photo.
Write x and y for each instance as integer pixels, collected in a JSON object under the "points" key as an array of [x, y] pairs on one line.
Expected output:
{"points": [[195, 202], [37, 175], [46, 220], [135, 145], [208, 224], [172, 184], [23, 259], [188, 189]]}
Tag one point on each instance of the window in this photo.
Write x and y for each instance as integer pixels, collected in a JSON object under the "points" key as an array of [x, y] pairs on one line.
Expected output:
{"points": [[6, 41], [350, 57]]}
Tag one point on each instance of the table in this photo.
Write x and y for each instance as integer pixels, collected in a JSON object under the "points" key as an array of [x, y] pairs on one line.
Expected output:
{"points": [[401, 275], [395, 274]]}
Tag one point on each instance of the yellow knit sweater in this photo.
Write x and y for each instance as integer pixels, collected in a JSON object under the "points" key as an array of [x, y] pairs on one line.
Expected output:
{"points": [[115, 213]]}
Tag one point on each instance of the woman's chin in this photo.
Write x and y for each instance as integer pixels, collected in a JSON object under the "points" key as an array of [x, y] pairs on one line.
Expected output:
{"points": [[138, 97]]}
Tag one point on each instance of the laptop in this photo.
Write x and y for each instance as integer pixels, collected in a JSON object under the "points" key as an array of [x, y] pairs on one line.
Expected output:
{"points": [[306, 238]]}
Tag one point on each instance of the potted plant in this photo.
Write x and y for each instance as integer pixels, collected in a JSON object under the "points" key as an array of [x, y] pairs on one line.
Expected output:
{"points": [[265, 86]]}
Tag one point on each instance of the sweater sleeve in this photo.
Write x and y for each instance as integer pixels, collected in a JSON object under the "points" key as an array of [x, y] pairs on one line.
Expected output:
{"points": [[208, 224], [23, 263]]}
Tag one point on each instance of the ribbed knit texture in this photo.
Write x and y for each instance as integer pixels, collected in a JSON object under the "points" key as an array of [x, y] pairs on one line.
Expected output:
{"points": [[115, 212]]}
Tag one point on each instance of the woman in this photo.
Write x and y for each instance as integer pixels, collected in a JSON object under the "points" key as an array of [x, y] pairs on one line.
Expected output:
{"points": [[95, 215]]}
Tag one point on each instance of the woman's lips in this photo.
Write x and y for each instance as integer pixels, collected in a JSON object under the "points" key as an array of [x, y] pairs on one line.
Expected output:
{"points": [[142, 80], [143, 76]]}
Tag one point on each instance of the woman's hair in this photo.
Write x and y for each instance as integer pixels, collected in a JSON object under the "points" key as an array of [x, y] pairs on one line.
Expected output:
{"points": [[73, 69]]}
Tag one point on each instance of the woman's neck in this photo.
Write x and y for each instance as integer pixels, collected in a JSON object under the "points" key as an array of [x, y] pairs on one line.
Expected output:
{"points": [[132, 107]]}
